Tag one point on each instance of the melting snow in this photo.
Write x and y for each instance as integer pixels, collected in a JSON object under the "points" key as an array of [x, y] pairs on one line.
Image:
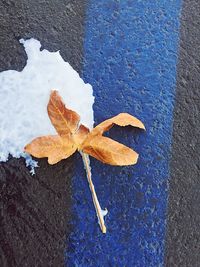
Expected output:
{"points": [[24, 96]]}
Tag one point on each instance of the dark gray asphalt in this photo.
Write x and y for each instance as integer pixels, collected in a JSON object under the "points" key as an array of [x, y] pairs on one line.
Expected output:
{"points": [[35, 211], [183, 231]]}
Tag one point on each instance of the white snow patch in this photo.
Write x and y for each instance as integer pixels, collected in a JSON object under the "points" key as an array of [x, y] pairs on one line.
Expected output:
{"points": [[104, 212], [24, 96]]}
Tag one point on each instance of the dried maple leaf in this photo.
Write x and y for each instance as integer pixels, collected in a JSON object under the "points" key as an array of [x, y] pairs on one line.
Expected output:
{"points": [[74, 136], [108, 150], [70, 134]]}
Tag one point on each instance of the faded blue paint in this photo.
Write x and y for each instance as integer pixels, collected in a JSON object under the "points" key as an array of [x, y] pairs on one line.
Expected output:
{"points": [[130, 59]]}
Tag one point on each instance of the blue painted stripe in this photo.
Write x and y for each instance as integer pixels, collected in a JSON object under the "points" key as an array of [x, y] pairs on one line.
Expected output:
{"points": [[130, 59]]}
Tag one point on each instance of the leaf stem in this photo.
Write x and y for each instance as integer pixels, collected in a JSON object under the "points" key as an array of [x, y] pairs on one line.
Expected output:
{"points": [[99, 211]]}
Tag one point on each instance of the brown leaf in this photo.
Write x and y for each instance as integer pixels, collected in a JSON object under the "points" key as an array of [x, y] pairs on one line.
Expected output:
{"points": [[71, 137], [80, 135], [63, 119], [122, 119], [109, 151], [66, 123], [53, 147]]}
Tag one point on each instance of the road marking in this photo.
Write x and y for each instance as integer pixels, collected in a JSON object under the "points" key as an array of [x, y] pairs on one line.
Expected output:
{"points": [[130, 59]]}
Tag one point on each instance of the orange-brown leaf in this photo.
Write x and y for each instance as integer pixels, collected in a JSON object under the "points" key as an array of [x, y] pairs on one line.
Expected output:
{"points": [[80, 135], [72, 137], [109, 151], [122, 119], [53, 147], [64, 120]]}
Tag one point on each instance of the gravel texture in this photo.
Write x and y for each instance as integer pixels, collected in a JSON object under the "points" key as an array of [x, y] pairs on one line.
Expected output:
{"points": [[183, 220]]}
